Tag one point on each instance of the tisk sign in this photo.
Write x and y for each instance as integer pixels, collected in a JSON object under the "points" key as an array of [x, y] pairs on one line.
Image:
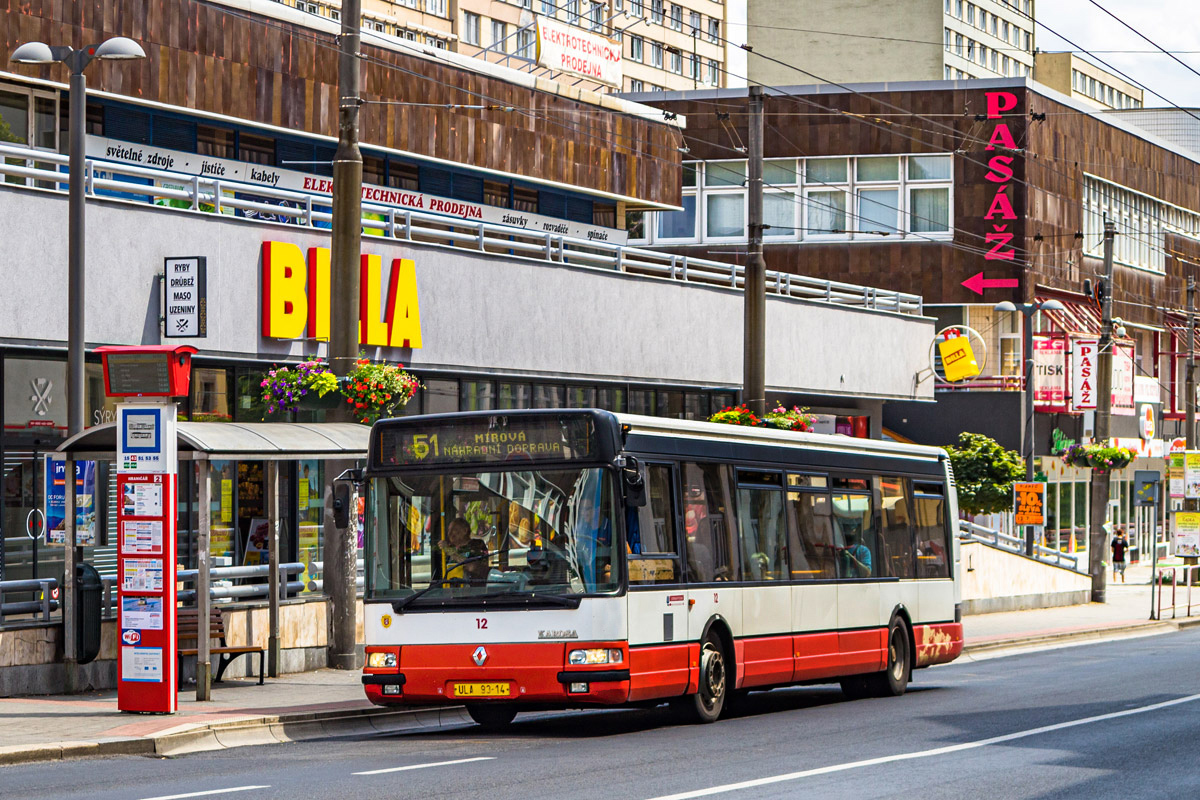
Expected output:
{"points": [[295, 299]]}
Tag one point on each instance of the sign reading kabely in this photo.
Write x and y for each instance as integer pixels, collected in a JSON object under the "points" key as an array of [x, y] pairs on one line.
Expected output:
{"points": [[565, 48], [185, 297], [295, 300], [1083, 374], [234, 172]]}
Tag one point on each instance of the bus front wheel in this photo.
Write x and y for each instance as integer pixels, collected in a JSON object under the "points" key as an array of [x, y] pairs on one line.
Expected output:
{"points": [[708, 702], [492, 716]]}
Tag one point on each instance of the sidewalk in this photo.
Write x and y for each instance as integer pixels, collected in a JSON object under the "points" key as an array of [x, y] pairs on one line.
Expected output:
{"points": [[242, 712]]}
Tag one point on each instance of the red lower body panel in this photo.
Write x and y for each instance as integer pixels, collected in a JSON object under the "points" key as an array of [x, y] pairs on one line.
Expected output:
{"points": [[938, 644], [817, 656], [660, 671], [765, 662]]}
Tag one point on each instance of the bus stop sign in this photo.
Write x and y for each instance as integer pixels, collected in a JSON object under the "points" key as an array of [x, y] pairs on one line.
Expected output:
{"points": [[1145, 487]]}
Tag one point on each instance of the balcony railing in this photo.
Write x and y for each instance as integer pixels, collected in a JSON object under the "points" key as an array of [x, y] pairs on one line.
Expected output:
{"points": [[190, 194]]}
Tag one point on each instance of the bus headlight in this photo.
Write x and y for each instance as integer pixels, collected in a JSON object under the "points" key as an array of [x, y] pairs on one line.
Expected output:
{"points": [[381, 660], [595, 656]]}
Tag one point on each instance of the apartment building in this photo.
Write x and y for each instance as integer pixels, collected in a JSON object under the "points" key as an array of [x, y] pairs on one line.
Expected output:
{"points": [[851, 41], [1082, 80], [665, 45]]}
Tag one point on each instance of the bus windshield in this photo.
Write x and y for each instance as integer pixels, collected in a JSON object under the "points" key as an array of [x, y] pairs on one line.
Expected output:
{"points": [[465, 537]]}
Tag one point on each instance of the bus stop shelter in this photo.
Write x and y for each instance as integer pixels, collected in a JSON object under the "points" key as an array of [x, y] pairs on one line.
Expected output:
{"points": [[337, 445]]}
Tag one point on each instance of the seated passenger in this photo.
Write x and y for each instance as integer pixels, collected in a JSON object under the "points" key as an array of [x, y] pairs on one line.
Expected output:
{"points": [[854, 560]]}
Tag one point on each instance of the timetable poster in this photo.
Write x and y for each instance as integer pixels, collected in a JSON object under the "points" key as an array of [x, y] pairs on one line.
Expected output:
{"points": [[142, 575], [142, 500], [141, 536]]}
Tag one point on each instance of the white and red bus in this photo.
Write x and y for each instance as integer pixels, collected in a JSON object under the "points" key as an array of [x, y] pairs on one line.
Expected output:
{"points": [[526, 560]]}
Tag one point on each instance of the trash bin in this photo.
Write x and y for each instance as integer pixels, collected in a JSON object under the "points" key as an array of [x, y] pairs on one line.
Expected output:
{"points": [[89, 595]]}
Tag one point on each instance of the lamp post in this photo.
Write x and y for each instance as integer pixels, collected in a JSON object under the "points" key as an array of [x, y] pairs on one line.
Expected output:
{"points": [[1028, 310], [116, 48]]}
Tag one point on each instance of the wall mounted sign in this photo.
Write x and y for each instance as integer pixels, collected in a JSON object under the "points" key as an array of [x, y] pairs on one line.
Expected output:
{"points": [[1001, 215], [185, 297], [1083, 374], [566, 48], [1050, 373]]}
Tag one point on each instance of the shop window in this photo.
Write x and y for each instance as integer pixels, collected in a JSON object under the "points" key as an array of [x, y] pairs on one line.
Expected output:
{"points": [[654, 556], [222, 498], [513, 395], [896, 541], [251, 507], [679, 224], [604, 215], [439, 396], [249, 405], [641, 401], [256, 149], [581, 397], [495, 194], [722, 400], [710, 540], [214, 142], [695, 405], [402, 175], [670, 404], [310, 510], [545, 396], [210, 395], [635, 225], [525, 199], [95, 120], [477, 395]]}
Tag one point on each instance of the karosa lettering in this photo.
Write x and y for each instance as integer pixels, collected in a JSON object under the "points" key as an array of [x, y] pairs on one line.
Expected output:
{"points": [[295, 299]]}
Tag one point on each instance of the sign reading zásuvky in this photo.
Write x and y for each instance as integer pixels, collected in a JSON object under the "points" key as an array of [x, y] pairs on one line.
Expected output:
{"points": [[296, 297], [1029, 503], [1187, 534], [566, 48]]}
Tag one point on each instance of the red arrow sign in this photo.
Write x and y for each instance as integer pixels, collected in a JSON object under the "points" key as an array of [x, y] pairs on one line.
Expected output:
{"points": [[977, 283]]}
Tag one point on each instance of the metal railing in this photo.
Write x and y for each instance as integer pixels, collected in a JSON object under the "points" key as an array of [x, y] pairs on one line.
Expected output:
{"points": [[250, 590], [209, 195], [1015, 544], [1189, 577], [42, 603]]}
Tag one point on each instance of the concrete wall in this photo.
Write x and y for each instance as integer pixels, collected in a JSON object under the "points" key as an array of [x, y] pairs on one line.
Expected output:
{"points": [[483, 312], [998, 580], [780, 30]]}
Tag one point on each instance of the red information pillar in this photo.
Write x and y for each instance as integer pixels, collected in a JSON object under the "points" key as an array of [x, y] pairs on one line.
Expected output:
{"points": [[146, 530]]}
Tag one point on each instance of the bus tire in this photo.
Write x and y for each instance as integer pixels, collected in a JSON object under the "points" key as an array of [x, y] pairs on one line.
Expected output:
{"points": [[893, 680], [493, 716], [708, 702]]}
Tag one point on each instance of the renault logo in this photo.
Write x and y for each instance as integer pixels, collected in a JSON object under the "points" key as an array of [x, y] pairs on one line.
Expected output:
{"points": [[479, 656]]}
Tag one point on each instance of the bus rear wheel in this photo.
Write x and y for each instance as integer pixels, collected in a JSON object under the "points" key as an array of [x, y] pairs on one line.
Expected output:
{"points": [[493, 716], [893, 681], [707, 703]]}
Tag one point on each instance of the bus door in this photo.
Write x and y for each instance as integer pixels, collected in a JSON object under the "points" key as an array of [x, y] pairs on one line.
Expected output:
{"points": [[855, 535], [711, 550]]}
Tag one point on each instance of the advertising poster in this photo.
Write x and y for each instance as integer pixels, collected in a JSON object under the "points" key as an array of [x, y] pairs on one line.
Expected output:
{"points": [[56, 502], [1187, 533], [142, 664], [1191, 474], [141, 536], [1175, 474], [226, 500], [142, 613], [142, 500], [256, 543], [1028, 503], [1050, 373]]}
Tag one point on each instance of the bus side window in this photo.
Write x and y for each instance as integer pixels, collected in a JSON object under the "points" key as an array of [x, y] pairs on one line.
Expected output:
{"points": [[763, 534], [814, 558], [854, 536], [896, 541], [653, 553], [929, 521], [711, 551]]}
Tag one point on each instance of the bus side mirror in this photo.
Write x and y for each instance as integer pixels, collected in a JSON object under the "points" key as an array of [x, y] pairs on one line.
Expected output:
{"points": [[635, 484], [341, 505]]}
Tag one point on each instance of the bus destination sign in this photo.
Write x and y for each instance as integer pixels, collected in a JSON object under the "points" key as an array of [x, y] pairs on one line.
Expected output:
{"points": [[488, 440]]}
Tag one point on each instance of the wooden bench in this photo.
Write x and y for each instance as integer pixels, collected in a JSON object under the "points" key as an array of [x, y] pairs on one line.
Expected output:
{"points": [[187, 629]]}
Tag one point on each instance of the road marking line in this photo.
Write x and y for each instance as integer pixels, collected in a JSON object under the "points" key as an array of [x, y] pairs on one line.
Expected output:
{"points": [[938, 751], [207, 793], [423, 766]]}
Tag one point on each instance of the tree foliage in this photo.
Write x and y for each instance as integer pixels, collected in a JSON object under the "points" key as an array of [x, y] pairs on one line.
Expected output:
{"points": [[984, 472]]}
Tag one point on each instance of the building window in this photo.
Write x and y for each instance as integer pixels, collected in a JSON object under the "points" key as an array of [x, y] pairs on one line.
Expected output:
{"points": [[958, 44], [714, 30], [495, 193], [970, 13], [958, 8], [435, 7], [635, 48], [656, 55], [694, 23], [573, 12], [596, 15], [656, 11], [499, 36], [676, 61], [679, 224], [714, 72], [525, 43], [676, 17], [636, 85], [549, 8], [256, 149], [471, 28]]}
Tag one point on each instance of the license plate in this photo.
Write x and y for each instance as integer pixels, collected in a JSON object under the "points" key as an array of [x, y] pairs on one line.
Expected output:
{"points": [[480, 689]]}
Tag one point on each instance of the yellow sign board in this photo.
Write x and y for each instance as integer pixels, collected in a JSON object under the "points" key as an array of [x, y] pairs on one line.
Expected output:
{"points": [[958, 358], [1029, 501]]}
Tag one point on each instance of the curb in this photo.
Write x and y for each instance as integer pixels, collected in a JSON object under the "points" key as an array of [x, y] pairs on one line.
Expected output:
{"points": [[267, 729], [1147, 627]]}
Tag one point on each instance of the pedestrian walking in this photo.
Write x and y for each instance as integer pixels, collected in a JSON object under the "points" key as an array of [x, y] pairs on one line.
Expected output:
{"points": [[1119, 546]]}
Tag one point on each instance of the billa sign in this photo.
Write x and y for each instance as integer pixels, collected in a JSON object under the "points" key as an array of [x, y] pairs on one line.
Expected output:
{"points": [[296, 301], [1029, 504], [958, 357]]}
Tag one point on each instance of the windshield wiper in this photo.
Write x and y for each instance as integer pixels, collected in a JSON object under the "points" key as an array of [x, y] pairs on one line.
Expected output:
{"points": [[554, 599], [399, 605]]}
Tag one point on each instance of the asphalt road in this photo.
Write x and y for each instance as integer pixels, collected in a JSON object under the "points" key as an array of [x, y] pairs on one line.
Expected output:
{"points": [[1117, 719]]}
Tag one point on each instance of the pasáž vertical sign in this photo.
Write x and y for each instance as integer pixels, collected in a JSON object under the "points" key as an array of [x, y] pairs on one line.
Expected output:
{"points": [[1029, 503]]}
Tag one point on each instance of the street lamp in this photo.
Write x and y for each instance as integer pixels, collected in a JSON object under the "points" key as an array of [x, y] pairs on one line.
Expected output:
{"points": [[1028, 310], [117, 48]]}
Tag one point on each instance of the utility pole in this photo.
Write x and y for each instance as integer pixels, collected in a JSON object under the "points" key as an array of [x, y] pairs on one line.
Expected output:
{"points": [[754, 389], [1190, 504], [1097, 543], [341, 543]]}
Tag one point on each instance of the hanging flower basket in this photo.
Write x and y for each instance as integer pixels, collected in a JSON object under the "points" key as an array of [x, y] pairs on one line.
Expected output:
{"points": [[794, 419], [371, 390], [1101, 458]]}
